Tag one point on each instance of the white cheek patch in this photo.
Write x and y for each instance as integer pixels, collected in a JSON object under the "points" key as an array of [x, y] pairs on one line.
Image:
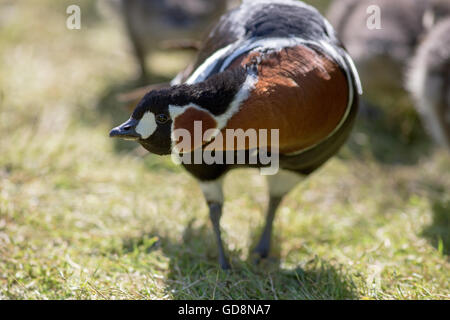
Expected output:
{"points": [[147, 125]]}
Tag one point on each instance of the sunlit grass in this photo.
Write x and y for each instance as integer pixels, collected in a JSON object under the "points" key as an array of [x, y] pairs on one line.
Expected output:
{"points": [[81, 219]]}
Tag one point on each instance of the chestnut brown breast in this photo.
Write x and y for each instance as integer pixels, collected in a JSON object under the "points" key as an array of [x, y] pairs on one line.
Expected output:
{"points": [[299, 91]]}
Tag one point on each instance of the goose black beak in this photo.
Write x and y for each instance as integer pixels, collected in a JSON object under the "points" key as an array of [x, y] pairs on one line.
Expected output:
{"points": [[126, 130]]}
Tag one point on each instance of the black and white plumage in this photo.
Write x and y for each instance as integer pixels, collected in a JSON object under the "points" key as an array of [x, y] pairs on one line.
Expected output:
{"points": [[266, 64]]}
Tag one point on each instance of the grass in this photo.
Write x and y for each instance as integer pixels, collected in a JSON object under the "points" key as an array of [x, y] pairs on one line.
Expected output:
{"points": [[84, 218]]}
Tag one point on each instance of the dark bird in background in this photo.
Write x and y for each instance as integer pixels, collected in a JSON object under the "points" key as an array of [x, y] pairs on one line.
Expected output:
{"points": [[166, 24], [429, 82], [383, 55], [268, 64]]}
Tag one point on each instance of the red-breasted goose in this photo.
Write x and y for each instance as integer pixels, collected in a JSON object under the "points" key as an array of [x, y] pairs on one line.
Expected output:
{"points": [[266, 65]]}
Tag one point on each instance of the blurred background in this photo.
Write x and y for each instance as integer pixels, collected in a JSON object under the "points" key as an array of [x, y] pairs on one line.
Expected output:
{"points": [[82, 216]]}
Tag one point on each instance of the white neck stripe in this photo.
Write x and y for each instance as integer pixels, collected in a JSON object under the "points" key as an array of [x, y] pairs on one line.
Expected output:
{"points": [[202, 72], [222, 119]]}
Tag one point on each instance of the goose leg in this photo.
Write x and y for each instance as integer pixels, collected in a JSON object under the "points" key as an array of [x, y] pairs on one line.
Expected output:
{"points": [[215, 212], [279, 185], [212, 190], [263, 246]]}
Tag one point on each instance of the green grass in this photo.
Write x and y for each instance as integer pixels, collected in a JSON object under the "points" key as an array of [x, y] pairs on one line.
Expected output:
{"points": [[84, 218]]}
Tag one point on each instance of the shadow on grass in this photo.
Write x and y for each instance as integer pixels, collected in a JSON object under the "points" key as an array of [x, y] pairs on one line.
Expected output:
{"points": [[194, 272], [438, 232]]}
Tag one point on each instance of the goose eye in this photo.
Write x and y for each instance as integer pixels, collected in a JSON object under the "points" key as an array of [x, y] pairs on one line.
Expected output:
{"points": [[162, 118]]}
